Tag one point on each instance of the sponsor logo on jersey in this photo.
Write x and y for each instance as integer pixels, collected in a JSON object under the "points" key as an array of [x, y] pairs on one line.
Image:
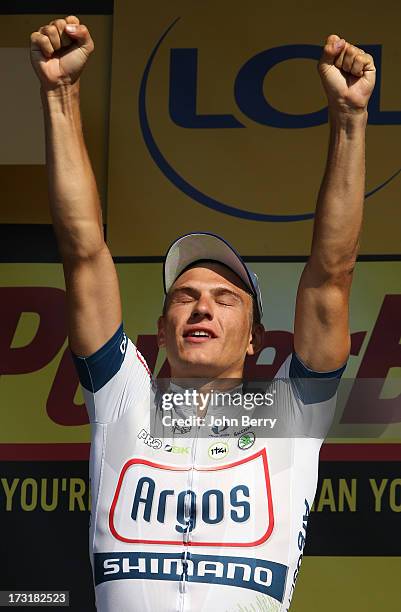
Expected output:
{"points": [[149, 440], [301, 539], [176, 450], [123, 344], [243, 430], [212, 505], [181, 430], [259, 575], [218, 450], [246, 440], [218, 430]]}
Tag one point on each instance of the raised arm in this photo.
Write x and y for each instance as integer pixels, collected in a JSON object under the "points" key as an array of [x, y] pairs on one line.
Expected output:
{"points": [[94, 310], [321, 331]]}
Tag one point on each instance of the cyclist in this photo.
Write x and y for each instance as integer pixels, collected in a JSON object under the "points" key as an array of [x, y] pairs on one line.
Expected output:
{"points": [[213, 521]]}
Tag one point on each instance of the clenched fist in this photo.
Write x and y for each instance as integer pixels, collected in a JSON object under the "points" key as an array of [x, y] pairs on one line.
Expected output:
{"points": [[348, 75], [59, 51]]}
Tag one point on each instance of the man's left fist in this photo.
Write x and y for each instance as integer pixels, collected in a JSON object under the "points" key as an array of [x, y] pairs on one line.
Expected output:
{"points": [[348, 75]]}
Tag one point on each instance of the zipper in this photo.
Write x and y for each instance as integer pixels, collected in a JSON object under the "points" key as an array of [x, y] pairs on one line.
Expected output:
{"points": [[186, 536]]}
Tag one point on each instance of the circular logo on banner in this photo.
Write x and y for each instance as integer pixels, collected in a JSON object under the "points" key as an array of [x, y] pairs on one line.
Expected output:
{"points": [[246, 440], [252, 159], [218, 450]]}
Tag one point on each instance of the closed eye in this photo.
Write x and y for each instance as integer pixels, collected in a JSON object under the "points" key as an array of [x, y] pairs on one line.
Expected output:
{"points": [[227, 298], [183, 299], [182, 296]]}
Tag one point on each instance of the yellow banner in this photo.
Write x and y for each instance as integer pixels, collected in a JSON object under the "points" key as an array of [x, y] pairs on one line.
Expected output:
{"points": [[219, 123], [39, 386], [352, 584]]}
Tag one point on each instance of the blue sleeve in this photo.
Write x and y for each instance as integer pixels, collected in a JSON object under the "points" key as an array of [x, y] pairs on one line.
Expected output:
{"points": [[310, 386], [100, 367]]}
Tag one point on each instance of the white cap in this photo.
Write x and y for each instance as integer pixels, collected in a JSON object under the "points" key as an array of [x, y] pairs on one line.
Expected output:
{"points": [[204, 246]]}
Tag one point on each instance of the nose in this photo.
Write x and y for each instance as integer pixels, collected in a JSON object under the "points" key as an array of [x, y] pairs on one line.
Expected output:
{"points": [[203, 308]]}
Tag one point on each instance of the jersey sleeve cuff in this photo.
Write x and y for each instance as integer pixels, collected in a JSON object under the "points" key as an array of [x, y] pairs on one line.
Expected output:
{"points": [[97, 369], [299, 369], [311, 386]]}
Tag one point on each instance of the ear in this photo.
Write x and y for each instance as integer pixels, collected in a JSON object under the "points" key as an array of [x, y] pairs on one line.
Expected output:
{"points": [[161, 334], [256, 340]]}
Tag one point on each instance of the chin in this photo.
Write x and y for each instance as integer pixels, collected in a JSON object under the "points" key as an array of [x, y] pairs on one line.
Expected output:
{"points": [[200, 357], [197, 367]]}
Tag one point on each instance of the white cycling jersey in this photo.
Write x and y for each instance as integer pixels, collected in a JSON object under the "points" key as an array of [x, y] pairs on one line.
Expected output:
{"points": [[186, 522]]}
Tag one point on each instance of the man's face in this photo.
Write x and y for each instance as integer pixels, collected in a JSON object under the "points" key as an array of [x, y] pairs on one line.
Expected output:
{"points": [[207, 327]]}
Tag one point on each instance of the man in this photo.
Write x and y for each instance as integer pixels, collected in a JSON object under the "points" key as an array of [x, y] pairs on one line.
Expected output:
{"points": [[194, 524]]}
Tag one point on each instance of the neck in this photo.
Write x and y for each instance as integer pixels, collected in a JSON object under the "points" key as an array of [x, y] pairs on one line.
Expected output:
{"points": [[193, 373]]}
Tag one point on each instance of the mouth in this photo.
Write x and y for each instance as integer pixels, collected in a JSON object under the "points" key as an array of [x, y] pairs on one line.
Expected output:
{"points": [[198, 336]]}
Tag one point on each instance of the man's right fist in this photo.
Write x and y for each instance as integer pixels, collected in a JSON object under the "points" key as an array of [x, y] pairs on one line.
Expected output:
{"points": [[59, 51]]}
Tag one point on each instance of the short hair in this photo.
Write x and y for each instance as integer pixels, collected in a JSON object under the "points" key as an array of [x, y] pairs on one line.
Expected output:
{"points": [[255, 312]]}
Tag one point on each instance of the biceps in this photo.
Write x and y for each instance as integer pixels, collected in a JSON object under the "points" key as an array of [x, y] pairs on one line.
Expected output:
{"points": [[321, 330], [93, 301]]}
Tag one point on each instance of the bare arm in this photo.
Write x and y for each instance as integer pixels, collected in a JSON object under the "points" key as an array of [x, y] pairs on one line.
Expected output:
{"points": [[93, 299], [321, 331], [321, 337]]}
